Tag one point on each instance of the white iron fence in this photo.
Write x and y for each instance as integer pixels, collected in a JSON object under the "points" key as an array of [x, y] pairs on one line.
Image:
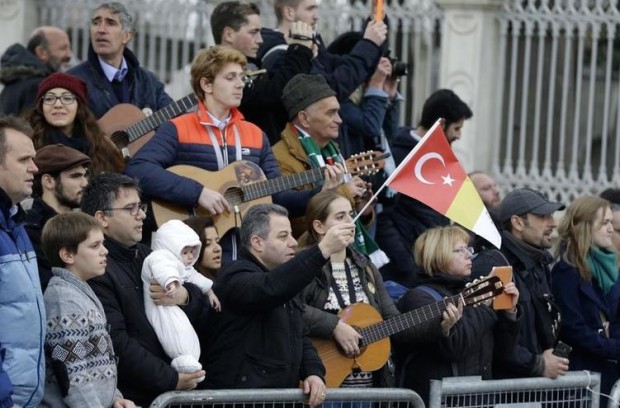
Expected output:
{"points": [[559, 130]]}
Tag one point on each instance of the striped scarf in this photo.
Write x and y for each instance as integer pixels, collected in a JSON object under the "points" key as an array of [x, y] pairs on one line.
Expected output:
{"points": [[329, 154]]}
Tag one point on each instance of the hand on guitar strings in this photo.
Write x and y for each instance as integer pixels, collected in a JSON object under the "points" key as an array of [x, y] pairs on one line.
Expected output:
{"points": [[450, 316], [213, 202], [357, 187], [347, 338], [334, 176], [315, 389]]}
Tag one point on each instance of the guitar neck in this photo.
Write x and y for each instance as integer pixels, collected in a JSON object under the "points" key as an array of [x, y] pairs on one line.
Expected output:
{"points": [[405, 321], [268, 187], [149, 123]]}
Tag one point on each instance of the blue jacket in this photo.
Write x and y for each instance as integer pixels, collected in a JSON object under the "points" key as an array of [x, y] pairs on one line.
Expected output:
{"points": [[6, 388], [145, 90], [22, 311], [581, 303]]}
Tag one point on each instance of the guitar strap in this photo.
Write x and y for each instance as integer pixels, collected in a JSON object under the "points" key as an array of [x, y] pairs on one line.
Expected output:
{"points": [[222, 160], [350, 286]]}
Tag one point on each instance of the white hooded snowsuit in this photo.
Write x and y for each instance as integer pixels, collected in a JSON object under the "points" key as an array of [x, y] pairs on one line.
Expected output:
{"points": [[165, 265]]}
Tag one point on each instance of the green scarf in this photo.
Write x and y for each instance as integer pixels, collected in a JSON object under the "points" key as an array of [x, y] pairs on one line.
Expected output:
{"points": [[329, 154], [602, 264]]}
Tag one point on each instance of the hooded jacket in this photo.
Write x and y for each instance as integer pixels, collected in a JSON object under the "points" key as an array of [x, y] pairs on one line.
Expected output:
{"points": [[165, 265], [20, 72]]}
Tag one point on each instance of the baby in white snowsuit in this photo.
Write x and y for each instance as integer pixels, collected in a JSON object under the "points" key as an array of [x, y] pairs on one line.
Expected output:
{"points": [[175, 250]]}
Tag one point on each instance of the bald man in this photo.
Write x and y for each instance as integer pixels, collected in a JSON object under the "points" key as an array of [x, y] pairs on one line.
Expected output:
{"points": [[487, 188], [23, 68]]}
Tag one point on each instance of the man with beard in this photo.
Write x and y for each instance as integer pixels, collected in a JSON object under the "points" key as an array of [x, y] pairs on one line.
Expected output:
{"points": [[527, 220], [23, 68], [58, 188]]}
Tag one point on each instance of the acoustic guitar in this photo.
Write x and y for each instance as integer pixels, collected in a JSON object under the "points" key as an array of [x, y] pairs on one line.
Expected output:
{"points": [[244, 184], [375, 342], [129, 129]]}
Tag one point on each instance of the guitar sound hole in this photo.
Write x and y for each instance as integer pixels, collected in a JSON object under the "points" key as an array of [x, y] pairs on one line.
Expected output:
{"points": [[234, 196]]}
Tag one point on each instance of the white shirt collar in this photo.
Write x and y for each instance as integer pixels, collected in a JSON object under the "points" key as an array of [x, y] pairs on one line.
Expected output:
{"points": [[112, 72]]}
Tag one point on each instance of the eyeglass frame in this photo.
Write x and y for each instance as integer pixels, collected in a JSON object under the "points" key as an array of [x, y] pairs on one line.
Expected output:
{"points": [[464, 250], [134, 210], [56, 98]]}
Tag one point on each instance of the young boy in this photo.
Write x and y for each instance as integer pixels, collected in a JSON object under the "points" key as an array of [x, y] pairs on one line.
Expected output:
{"points": [[175, 251], [80, 359]]}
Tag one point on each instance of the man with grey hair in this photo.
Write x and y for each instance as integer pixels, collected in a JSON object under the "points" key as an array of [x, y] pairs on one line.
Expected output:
{"points": [[22, 311], [23, 68], [112, 72], [258, 339]]}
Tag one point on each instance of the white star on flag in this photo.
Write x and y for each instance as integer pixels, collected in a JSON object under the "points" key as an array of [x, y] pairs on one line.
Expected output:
{"points": [[447, 180]]}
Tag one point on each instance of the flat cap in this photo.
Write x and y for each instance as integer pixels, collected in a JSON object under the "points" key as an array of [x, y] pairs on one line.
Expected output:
{"points": [[52, 159]]}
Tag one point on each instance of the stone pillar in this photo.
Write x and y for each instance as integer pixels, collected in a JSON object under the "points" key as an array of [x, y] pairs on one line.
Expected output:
{"points": [[17, 18], [469, 61]]}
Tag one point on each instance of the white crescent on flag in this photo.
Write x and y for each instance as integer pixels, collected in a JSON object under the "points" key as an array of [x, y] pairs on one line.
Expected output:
{"points": [[417, 170]]}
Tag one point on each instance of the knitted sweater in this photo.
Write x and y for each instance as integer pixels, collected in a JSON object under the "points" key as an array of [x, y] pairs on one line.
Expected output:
{"points": [[78, 345]]}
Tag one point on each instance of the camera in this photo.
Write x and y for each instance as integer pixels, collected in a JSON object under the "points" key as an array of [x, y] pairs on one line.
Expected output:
{"points": [[399, 68]]}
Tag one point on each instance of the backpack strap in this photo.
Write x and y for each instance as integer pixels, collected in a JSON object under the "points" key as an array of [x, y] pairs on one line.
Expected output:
{"points": [[436, 295]]}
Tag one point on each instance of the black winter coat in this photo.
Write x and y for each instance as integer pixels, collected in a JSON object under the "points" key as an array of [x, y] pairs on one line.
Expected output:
{"points": [[145, 90], [258, 340], [144, 369], [531, 274], [20, 72], [36, 217], [470, 347]]}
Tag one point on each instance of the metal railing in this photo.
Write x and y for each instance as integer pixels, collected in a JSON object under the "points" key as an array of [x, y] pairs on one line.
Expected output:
{"points": [[559, 91], [336, 398], [578, 389]]}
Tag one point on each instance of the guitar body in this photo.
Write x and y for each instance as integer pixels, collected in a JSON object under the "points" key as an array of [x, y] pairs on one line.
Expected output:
{"points": [[119, 118], [227, 182], [373, 356]]}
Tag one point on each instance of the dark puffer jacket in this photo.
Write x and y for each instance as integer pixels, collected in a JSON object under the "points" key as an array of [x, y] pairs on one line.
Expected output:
{"points": [[21, 74], [145, 90], [469, 348]]}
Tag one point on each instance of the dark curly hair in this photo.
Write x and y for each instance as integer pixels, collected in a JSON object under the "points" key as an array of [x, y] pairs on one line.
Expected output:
{"points": [[104, 155]]}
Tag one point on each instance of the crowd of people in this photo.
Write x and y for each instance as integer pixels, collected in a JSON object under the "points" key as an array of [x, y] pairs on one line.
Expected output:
{"points": [[107, 300]]}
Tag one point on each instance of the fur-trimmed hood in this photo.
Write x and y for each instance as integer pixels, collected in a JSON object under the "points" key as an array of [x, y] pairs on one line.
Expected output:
{"points": [[17, 63]]}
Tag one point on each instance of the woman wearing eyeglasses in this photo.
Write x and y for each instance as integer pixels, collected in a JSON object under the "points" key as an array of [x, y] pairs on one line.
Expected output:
{"points": [[586, 288], [62, 116], [467, 348]]}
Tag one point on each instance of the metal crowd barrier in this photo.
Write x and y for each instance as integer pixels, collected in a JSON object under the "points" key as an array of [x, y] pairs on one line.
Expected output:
{"points": [[289, 398], [576, 389], [614, 396]]}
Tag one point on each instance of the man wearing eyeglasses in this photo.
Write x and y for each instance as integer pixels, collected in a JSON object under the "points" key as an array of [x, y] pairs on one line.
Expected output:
{"points": [[527, 220], [144, 369], [58, 188]]}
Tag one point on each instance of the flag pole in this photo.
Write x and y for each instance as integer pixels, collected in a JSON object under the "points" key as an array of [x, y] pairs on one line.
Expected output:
{"points": [[398, 169]]}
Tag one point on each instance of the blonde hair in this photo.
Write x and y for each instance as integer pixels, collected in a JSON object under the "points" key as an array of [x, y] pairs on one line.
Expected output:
{"points": [[576, 228], [433, 249], [209, 62]]}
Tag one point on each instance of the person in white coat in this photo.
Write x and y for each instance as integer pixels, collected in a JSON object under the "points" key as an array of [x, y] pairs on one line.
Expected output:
{"points": [[175, 251]]}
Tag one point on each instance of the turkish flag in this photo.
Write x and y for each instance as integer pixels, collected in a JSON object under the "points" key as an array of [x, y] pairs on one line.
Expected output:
{"points": [[431, 173]]}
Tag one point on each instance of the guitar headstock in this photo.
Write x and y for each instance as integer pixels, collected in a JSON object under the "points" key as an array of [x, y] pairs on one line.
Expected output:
{"points": [[366, 163], [481, 290]]}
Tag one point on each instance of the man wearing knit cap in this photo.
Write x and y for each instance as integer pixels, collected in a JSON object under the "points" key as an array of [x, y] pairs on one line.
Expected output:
{"points": [[58, 187], [308, 140], [527, 220]]}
